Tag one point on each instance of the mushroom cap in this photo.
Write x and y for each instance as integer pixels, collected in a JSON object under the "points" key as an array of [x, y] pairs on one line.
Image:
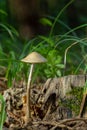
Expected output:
{"points": [[34, 57]]}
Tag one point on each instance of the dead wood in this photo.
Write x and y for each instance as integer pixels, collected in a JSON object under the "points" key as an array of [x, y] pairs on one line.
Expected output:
{"points": [[61, 86], [46, 112]]}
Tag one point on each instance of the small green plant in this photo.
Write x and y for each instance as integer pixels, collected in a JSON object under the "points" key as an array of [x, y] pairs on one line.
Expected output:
{"points": [[2, 112], [54, 64]]}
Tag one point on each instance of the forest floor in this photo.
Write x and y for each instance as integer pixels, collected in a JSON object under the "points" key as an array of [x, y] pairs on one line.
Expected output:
{"points": [[47, 113]]}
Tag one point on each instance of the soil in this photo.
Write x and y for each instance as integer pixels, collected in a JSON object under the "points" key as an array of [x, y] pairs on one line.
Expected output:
{"points": [[46, 112]]}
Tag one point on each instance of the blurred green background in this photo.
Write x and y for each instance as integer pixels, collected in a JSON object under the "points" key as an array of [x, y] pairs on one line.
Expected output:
{"points": [[55, 28]]}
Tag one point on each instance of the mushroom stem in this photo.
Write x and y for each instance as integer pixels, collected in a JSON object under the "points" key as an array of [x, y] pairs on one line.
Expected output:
{"points": [[28, 113], [33, 58]]}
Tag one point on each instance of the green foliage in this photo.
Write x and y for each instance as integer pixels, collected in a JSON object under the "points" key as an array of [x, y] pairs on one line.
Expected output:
{"points": [[13, 68], [58, 49], [59, 14], [74, 100], [45, 21], [3, 12], [54, 64], [2, 112]]}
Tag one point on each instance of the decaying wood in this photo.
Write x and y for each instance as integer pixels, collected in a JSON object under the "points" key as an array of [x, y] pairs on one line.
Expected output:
{"points": [[61, 86], [42, 104]]}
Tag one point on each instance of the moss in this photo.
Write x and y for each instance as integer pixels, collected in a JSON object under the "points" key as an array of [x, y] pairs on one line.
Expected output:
{"points": [[73, 100]]}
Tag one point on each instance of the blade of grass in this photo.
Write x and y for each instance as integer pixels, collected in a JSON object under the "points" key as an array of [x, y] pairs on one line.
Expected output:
{"points": [[80, 64], [59, 14], [71, 40], [70, 47], [8, 30], [67, 33], [2, 113], [74, 29], [62, 24], [3, 12]]}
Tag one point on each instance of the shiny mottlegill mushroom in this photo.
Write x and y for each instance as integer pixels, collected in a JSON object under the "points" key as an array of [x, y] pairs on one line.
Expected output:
{"points": [[33, 58]]}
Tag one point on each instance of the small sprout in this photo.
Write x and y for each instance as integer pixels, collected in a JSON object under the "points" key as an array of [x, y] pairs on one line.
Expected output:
{"points": [[33, 58]]}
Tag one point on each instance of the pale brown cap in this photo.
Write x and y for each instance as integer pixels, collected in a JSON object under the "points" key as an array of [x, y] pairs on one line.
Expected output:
{"points": [[34, 57]]}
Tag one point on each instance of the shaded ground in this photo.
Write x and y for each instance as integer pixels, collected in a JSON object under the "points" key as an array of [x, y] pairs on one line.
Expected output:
{"points": [[46, 112]]}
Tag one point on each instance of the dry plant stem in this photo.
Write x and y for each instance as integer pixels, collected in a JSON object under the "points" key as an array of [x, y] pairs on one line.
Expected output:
{"points": [[54, 124], [28, 113], [83, 105], [61, 124]]}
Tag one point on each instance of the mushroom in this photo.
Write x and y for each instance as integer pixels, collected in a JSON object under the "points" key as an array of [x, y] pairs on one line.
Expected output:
{"points": [[33, 58]]}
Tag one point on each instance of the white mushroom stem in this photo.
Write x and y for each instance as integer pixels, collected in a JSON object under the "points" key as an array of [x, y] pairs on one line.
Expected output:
{"points": [[28, 113], [33, 58]]}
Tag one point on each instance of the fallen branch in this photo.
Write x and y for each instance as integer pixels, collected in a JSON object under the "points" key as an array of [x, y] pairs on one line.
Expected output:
{"points": [[55, 124], [62, 123]]}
